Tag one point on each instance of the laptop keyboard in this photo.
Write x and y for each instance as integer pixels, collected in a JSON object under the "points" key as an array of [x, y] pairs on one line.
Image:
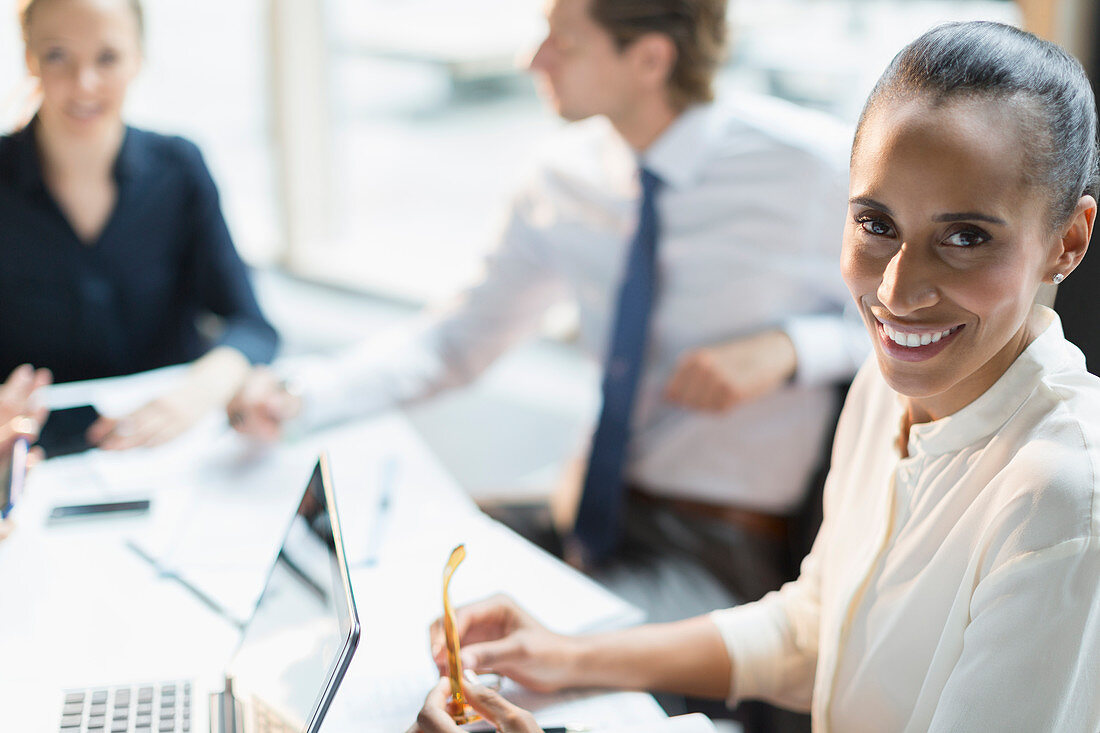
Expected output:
{"points": [[147, 708]]}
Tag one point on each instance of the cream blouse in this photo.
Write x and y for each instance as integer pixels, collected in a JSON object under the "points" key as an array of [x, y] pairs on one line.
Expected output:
{"points": [[957, 589]]}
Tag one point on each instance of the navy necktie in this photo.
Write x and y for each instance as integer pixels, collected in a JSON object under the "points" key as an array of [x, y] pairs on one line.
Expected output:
{"points": [[599, 516]]}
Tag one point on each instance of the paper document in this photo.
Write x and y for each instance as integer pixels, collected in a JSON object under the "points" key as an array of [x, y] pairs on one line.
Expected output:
{"points": [[598, 712], [221, 502], [694, 723], [217, 522], [605, 712], [114, 395]]}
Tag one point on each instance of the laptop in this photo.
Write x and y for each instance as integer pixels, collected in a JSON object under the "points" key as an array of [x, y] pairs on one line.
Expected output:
{"points": [[289, 661]]}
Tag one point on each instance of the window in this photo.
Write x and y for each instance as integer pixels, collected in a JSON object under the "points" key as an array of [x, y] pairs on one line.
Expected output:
{"points": [[432, 116]]}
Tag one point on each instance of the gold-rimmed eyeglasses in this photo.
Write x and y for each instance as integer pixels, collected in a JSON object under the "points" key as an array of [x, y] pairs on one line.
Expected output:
{"points": [[460, 710]]}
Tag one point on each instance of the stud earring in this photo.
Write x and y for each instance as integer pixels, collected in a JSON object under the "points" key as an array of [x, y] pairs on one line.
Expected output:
{"points": [[1057, 278]]}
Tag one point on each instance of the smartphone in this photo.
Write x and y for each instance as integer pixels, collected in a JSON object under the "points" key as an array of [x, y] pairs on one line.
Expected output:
{"points": [[15, 471], [105, 509], [64, 431]]}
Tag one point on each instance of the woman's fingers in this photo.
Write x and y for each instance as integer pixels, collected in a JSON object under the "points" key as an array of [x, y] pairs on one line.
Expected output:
{"points": [[17, 388], [485, 620], [20, 411], [17, 393], [130, 431], [100, 429], [152, 424], [35, 407], [493, 656], [433, 717], [504, 715]]}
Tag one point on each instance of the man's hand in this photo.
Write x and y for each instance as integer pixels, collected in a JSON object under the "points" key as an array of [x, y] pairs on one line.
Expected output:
{"points": [[717, 378], [496, 635], [505, 717], [262, 405]]}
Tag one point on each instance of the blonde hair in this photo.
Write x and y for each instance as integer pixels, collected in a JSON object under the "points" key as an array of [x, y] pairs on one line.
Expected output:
{"points": [[26, 10]]}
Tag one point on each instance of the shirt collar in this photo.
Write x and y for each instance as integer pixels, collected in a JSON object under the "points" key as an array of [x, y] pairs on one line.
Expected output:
{"points": [[129, 163], [677, 157], [1048, 353]]}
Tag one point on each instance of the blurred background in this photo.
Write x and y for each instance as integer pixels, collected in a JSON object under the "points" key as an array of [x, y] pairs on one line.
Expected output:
{"points": [[365, 150], [372, 143]]}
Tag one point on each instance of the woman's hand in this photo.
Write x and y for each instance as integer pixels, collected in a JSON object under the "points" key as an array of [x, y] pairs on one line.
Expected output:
{"points": [[208, 385], [16, 402], [497, 636], [687, 657], [156, 422], [506, 717], [20, 417]]}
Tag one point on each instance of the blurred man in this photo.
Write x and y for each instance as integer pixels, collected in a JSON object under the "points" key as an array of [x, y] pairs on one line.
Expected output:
{"points": [[701, 243]]}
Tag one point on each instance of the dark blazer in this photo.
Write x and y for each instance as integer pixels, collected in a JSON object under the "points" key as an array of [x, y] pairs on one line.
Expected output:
{"points": [[133, 299]]}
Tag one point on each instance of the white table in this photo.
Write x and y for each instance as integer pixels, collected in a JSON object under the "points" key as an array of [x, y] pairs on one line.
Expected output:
{"points": [[78, 606]]}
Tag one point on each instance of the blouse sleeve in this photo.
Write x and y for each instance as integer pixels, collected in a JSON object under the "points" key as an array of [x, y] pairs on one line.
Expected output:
{"points": [[220, 278], [773, 642], [1030, 657]]}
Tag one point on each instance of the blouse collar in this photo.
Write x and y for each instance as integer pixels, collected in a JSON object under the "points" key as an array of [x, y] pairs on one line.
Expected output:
{"points": [[129, 163], [1048, 352]]}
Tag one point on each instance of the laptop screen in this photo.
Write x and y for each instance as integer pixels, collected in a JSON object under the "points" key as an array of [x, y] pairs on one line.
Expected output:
{"points": [[296, 646]]}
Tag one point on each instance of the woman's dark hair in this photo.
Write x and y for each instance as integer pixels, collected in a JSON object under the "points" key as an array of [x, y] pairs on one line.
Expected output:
{"points": [[995, 61]]}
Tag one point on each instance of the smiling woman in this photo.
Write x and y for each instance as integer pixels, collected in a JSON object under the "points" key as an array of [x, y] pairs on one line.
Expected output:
{"points": [[973, 182], [954, 223], [955, 582], [113, 240]]}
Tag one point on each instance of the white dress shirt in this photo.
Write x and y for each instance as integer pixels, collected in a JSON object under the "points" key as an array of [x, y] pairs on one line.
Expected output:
{"points": [[751, 215], [957, 589]]}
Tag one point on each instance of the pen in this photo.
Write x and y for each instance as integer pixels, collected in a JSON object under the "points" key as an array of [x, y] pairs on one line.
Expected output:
{"points": [[386, 481]]}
